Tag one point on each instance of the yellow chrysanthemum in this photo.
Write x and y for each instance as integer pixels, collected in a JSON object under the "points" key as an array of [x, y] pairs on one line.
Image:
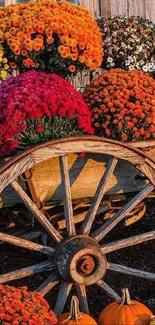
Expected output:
{"points": [[5, 60], [6, 66], [3, 75]]}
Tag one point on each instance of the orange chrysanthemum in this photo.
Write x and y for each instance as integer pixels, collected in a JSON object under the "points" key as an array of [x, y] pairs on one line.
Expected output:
{"points": [[18, 306], [60, 40], [123, 105]]}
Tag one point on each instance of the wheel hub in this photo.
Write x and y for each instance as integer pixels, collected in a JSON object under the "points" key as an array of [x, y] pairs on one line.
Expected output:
{"points": [[80, 260], [85, 265]]}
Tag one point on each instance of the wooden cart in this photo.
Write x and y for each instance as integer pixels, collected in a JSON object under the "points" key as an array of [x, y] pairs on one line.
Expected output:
{"points": [[76, 247]]}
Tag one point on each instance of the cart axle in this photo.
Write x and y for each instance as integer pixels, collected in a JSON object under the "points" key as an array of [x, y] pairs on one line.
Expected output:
{"points": [[79, 260]]}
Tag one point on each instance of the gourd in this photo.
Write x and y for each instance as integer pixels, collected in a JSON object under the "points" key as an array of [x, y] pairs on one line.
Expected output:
{"points": [[75, 317], [152, 320], [125, 312]]}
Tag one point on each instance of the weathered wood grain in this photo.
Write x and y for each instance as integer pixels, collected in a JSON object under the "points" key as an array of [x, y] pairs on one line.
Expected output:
{"points": [[15, 170], [37, 213], [110, 224], [26, 244], [25, 233], [145, 144], [92, 6], [81, 80], [22, 273], [5, 3], [149, 170], [9, 198], [143, 8], [84, 174], [108, 290], [65, 183], [118, 7], [64, 291], [150, 10], [124, 243], [81, 291], [59, 149], [96, 9], [131, 271], [102, 187], [137, 8], [106, 8]]}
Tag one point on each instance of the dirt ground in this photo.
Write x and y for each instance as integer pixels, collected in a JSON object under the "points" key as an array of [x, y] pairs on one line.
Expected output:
{"points": [[141, 257]]}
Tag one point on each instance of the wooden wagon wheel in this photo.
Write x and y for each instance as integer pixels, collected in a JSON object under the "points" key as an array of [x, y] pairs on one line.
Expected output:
{"points": [[78, 259]]}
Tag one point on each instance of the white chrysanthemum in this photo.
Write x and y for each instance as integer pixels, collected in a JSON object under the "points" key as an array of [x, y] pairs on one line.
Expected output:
{"points": [[145, 68], [131, 44], [110, 60], [131, 67]]}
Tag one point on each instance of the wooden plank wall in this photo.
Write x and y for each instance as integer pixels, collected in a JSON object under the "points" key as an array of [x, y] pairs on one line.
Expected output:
{"points": [[144, 8]]}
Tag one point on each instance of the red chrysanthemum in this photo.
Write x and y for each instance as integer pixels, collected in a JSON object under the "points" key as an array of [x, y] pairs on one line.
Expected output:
{"points": [[31, 100], [40, 128]]}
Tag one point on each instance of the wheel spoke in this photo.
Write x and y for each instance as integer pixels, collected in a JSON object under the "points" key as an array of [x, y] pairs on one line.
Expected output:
{"points": [[24, 235], [108, 290], [110, 224], [135, 240], [37, 213], [102, 187], [81, 291], [48, 284], [68, 209], [22, 273], [62, 297], [131, 271], [26, 244]]}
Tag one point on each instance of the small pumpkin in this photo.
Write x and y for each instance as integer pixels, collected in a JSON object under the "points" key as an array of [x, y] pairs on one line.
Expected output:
{"points": [[125, 312], [75, 317], [152, 320]]}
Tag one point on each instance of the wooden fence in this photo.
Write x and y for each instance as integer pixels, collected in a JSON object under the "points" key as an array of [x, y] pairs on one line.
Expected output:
{"points": [[143, 8]]}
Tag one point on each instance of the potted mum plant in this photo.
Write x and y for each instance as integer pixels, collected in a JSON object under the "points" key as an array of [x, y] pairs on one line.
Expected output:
{"points": [[37, 107], [45, 36], [122, 105], [20, 306], [128, 43]]}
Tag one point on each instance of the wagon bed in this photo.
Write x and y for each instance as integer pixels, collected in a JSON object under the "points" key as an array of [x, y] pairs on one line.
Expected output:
{"points": [[84, 173]]}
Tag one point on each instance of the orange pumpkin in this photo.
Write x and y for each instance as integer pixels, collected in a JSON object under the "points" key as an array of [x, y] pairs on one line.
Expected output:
{"points": [[75, 317], [125, 312]]}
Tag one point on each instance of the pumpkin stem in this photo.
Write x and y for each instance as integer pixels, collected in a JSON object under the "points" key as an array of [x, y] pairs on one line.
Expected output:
{"points": [[125, 297], [74, 310]]}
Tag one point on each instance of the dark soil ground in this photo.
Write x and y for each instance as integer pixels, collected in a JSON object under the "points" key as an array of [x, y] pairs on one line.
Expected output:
{"points": [[141, 257]]}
